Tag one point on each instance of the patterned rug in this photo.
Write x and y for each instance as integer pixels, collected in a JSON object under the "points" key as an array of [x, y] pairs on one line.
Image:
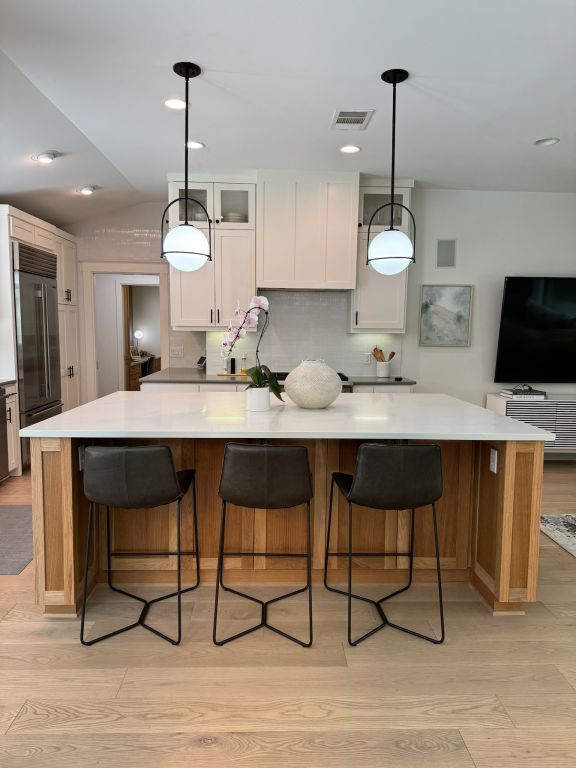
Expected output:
{"points": [[15, 538], [561, 529]]}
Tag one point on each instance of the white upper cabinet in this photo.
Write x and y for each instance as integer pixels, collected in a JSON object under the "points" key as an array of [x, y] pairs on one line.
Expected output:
{"points": [[371, 198], [67, 276], [379, 302], [192, 302], [229, 205], [235, 256], [306, 230]]}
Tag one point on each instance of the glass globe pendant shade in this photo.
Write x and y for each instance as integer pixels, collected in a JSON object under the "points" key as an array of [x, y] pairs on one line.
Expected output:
{"points": [[390, 252], [186, 248]]}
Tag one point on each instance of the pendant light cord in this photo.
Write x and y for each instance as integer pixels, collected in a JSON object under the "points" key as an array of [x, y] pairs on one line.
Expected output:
{"points": [[186, 157], [393, 153]]}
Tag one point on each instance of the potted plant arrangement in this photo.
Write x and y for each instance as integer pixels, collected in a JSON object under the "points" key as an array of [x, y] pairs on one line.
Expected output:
{"points": [[262, 380]]}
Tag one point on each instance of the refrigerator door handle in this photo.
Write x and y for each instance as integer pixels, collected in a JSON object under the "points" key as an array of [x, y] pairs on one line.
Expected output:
{"points": [[46, 341]]}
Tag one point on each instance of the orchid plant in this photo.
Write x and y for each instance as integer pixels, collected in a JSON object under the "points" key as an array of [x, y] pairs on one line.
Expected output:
{"points": [[261, 376]]}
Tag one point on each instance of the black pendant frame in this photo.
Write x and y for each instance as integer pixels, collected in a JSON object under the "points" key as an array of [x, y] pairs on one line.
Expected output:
{"points": [[188, 71], [392, 77]]}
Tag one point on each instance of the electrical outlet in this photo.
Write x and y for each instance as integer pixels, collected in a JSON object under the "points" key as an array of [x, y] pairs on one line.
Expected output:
{"points": [[367, 358], [493, 460], [177, 351]]}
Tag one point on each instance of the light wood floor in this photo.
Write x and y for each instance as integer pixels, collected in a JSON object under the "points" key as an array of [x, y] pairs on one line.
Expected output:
{"points": [[501, 693]]}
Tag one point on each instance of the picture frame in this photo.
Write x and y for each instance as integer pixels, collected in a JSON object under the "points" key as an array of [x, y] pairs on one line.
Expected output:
{"points": [[445, 315]]}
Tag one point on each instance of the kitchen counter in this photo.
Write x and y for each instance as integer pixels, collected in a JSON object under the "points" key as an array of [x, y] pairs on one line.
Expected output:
{"points": [[199, 376], [489, 512]]}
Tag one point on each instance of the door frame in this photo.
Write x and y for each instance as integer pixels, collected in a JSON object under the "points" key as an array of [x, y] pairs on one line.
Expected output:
{"points": [[88, 270]]}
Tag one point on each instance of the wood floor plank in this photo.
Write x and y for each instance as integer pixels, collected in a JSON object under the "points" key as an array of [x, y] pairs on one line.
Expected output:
{"points": [[157, 653], [522, 748], [382, 680], [9, 708], [223, 714], [541, 711], [61, 684], [439, 748]]}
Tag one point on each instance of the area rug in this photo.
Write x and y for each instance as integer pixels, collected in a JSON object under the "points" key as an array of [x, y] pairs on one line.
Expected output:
{"points": [[561, 529], [15, 538]]}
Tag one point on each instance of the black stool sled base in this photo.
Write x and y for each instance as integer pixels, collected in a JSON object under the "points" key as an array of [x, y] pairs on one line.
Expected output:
{"points": [[263, 603], [146, 604], [384, 621]]}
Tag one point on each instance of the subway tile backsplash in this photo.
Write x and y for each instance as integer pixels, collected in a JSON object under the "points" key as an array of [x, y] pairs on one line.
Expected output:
{"points": [[308, 325]]}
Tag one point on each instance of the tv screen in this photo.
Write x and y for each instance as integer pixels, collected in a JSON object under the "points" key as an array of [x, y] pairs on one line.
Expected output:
{"points": [[537, 342]]}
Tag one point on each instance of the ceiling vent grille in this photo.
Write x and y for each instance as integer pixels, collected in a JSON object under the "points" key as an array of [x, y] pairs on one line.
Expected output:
{"points": [[351, 119]]}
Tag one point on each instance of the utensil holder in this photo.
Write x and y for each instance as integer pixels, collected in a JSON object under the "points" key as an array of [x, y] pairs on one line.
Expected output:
{"points": [[382, 370]]}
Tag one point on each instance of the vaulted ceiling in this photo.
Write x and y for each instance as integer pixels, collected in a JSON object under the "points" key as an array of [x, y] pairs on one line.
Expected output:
{"points": [[89, 79]]}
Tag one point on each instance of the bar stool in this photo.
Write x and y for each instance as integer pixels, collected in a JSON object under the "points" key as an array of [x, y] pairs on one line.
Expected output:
{"points": [[265, 477], [134, 478], [389, 477]]}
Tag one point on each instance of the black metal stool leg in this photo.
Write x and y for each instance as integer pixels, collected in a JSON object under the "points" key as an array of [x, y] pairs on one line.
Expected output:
{"points": [[328, 532], [262, 603], [86, 566]]}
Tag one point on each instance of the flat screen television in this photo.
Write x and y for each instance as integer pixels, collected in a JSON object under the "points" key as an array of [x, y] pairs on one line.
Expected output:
{"points": [[537, 341]]}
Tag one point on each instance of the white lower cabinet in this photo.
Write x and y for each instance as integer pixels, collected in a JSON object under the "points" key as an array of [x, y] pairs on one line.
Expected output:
{"points": [[68, 328], [12, 422], [378, 302], [208, 297], [182, 386]]}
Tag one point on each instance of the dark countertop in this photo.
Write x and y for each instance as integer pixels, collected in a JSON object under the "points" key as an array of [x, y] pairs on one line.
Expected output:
{"points": [[199, 376], [6, 382]]}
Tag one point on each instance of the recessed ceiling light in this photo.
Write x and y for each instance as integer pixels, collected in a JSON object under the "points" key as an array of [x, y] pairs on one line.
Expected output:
{"points": [[87, 191], [175, 104], [45, 157], [350, 149], [548, 142], [195, 145]]}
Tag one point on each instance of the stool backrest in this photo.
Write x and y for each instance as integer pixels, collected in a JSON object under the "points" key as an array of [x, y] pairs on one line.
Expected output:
{"points": [[130, 477], [265, 476], [397, 476]]}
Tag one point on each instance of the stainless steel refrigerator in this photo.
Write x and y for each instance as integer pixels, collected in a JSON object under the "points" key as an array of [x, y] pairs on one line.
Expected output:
{"points": [[36, 305]]}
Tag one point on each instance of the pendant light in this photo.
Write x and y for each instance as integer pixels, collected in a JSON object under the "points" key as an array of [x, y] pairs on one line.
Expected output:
{"points": [[185, 246], [392, 251]]}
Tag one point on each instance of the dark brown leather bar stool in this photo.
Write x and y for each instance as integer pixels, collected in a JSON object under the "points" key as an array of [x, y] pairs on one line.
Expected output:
{"points": [[389, 477], [134, 478], [265, 477]]}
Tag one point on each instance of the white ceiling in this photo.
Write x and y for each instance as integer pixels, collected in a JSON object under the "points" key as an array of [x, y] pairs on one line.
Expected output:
{"points": [[89, 78]]}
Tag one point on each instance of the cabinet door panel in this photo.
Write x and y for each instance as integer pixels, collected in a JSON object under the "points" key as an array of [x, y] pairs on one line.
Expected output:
{"points": [[234, 206], [310, 226], [70, 271], [235, 272], [200, 191], [22, 230], [13, 439], [44, 239], [192, 297], [276, 243], [341, 235], [379, 301]]}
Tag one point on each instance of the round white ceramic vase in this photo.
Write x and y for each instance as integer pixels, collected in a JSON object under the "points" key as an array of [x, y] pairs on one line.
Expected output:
{"points": [[257, 399], [382, 370], [313, 384]]}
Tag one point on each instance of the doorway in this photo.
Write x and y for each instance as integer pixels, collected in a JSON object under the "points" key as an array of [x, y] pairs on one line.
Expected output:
{"points": [[127, 328]]}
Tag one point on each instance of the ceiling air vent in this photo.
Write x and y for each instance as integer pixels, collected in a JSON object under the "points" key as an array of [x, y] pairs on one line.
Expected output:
{"points": [[351, 119]]}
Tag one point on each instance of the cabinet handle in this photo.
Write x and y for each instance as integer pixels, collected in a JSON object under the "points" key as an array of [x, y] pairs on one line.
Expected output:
{"points": [[359, 223], [356, 318], [211, 315], [218, 315], [73, 374], [217, 221], [9, 415]]}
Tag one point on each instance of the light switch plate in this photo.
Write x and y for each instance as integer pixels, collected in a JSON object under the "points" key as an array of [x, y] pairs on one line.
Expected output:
{"points": [[177, 351], [493, 460]]}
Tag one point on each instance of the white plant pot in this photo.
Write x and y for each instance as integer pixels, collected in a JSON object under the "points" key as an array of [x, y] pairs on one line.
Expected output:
{"points": [[382, 370], [257, 399], [313, 384]]}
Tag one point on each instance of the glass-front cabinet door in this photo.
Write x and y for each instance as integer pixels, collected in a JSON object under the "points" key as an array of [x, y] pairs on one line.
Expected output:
{"points": [[234, 206], [200, 191], [371, 198]]}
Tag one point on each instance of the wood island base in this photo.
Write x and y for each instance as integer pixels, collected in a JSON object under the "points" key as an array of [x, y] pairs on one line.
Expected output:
{"points": [[489, 523]]}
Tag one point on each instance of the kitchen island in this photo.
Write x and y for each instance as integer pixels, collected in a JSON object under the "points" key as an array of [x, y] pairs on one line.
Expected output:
{"points": [[489, 513]]}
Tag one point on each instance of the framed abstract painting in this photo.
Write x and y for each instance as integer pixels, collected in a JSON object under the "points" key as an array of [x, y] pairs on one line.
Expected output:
{"points": [[445, 314]]}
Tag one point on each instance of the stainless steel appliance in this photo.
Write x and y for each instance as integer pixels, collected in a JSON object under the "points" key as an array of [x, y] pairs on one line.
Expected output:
{"points": [[4, 471], [36, 303]]}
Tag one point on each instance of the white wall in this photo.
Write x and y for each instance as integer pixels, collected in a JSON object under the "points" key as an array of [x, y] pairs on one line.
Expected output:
{"points": [[132, 234], [498, 234], [146, 316]]}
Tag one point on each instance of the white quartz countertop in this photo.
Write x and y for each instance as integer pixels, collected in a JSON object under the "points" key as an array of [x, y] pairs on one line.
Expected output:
{"points": [[222, 414]]}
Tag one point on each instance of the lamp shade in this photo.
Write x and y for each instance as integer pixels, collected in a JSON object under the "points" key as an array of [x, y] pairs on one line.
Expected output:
{"points": [[186, 248], [390, 252]]}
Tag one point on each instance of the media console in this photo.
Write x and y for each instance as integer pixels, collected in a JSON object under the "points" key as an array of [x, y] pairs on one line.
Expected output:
{"points": [[555, 414]]}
